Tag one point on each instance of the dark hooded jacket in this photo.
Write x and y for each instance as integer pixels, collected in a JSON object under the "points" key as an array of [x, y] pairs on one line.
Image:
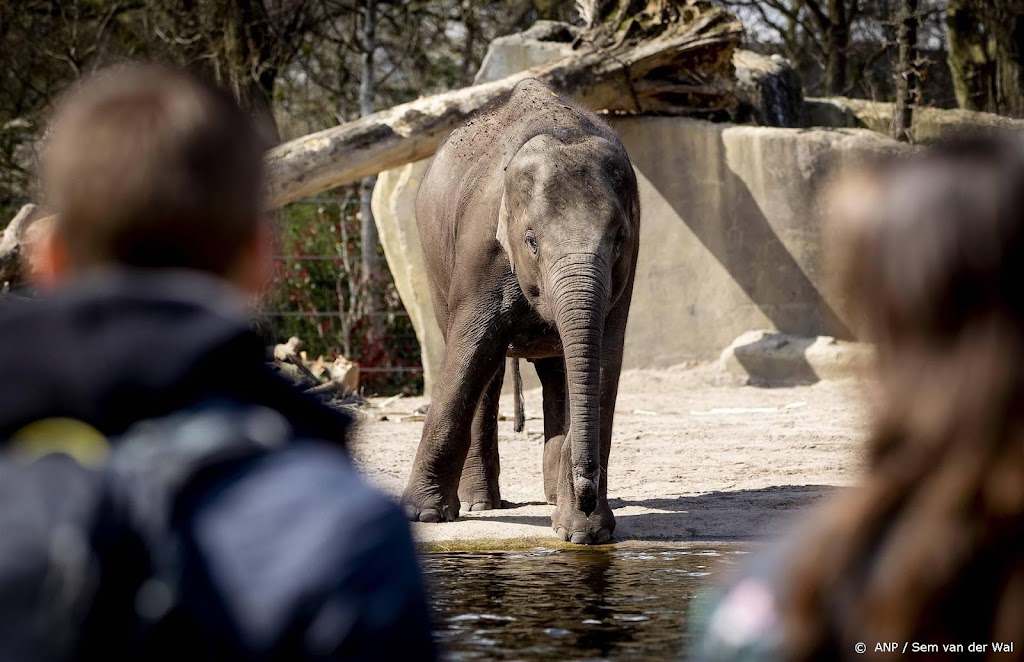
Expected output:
{"points": [[290, 554], [120, 347]]}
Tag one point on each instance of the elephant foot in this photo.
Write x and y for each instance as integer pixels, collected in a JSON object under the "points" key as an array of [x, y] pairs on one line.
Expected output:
{"points": [[482, 501], [484, 504], [582, 515], [575, 527], [478, 495], [429, 505]]}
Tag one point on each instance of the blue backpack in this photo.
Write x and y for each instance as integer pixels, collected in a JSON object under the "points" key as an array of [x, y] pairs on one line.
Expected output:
{"points": [[93, 555]]}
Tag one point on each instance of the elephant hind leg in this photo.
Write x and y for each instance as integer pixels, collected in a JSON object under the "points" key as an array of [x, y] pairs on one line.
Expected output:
{"points": [[478, 487], [556, 420]]}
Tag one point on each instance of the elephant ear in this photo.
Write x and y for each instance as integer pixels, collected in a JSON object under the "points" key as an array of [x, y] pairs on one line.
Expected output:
{"points": [[502, 234]]}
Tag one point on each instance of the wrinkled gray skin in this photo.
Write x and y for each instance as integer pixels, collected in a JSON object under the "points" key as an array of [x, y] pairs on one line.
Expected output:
{"points": [[529, 220]]}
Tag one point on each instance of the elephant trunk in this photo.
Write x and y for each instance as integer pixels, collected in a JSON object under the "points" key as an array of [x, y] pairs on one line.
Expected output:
{"points": [[580, 295]]}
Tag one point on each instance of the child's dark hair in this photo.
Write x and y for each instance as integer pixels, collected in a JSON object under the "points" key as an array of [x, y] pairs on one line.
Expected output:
{"points": [[147, 166]]}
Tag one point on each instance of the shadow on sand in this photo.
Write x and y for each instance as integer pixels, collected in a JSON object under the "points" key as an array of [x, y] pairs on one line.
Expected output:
{"points": [[739, 515]]}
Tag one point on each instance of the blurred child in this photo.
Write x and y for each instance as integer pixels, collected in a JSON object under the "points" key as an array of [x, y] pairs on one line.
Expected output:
{"points": [[929, 548], [223, 517]]}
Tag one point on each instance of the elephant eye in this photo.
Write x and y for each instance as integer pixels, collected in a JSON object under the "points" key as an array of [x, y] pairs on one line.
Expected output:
{"points": [[620, 238], [531, 241]]}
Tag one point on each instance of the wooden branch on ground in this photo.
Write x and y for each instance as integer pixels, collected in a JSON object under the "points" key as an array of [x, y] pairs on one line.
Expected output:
{"points": [[342, 378], [678, 62]]}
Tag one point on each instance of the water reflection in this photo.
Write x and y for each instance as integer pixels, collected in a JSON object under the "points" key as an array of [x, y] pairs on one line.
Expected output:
{"points": [[569, 604]]}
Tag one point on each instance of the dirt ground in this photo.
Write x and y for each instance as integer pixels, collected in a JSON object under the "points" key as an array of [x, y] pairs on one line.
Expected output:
{"points": [[695, 456]]}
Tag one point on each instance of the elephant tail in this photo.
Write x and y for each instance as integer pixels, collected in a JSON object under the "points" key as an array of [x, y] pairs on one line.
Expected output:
{"points": [[517, 385]]}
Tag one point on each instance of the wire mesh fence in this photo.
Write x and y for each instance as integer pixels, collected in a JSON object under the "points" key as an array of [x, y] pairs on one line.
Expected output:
{"points": [[322, 295]]}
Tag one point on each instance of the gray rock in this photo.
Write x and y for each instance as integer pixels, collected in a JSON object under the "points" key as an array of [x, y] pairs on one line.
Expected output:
{"points": [[543, 43], [767, 358]]}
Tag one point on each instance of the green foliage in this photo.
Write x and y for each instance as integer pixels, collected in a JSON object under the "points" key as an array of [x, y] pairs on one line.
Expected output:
{"points": [[320, 296]]}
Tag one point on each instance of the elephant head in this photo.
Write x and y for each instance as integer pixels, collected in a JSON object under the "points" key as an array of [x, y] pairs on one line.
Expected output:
{"points": [[569, 226]]}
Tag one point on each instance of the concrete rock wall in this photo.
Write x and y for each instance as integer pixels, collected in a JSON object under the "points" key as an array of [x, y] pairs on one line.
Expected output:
{"points": [[929, 123], [730, 236], [394, 212]]}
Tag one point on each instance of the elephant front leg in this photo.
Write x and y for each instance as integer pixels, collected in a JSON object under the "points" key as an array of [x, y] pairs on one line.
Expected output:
{"points": [[572, 524], [556, 421], [598, 526], [432, 494], [478, 487]]}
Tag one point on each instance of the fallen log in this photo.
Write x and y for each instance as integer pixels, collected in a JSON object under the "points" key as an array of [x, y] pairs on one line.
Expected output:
{"points": [[667, 56]]}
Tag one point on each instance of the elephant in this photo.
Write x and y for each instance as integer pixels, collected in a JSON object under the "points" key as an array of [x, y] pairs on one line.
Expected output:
{"points": [[529, 219]]}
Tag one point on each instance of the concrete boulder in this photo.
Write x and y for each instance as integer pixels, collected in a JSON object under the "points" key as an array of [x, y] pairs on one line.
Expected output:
{"points": [[543, 43], [732, 233], [766, 358]]}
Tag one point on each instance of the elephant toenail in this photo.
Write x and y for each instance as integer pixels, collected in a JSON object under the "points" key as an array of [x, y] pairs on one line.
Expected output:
{"points": [[411, 513], [562, 533], [580, 538], [480, 505], [603, 536], [429, 515]]}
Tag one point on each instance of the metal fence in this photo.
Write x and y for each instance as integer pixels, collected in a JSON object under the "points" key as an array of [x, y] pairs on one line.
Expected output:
{"points": [[316, 297]]}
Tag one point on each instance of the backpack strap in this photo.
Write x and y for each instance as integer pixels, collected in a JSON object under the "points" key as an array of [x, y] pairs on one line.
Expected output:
{"points": [[48, 573]]}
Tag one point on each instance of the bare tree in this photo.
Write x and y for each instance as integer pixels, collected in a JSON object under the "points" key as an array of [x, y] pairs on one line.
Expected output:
{"points": [[846, 47], [905, 71], [986, 54], [821, 29], [243, 44], [368, 234], [834, 21], [44, 45]]}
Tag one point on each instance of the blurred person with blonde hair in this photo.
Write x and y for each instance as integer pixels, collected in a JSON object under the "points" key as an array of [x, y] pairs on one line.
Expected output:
{"points": [[928, 547], [163, 493]]}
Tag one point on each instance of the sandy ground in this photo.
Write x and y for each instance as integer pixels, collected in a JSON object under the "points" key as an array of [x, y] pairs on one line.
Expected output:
{"points": [[695, 456]]}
